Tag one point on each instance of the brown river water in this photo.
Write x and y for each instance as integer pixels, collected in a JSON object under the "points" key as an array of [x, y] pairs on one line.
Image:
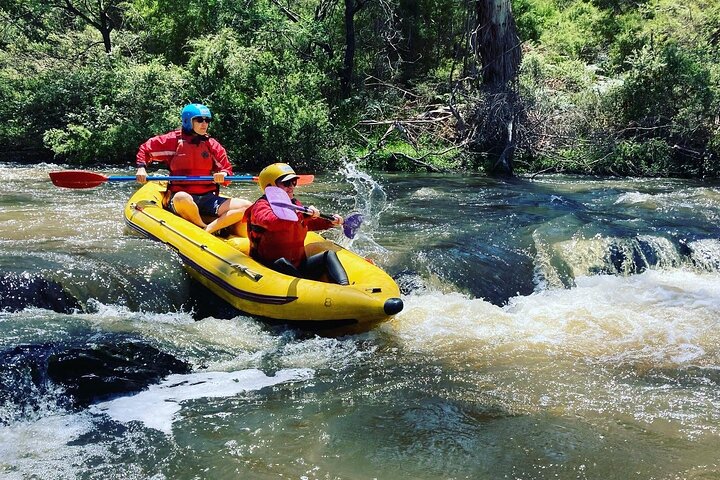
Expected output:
{"points": [[562, 327]]}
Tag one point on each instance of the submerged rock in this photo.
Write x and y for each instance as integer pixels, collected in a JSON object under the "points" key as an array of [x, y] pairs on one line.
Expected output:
{"points": [[31, 374], [25, 388], [409, 282], [94, 373], [18, 292]]}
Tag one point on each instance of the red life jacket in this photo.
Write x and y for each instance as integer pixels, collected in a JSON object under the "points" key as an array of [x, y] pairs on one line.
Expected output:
{"points": [[186, 155], [272, 238]]}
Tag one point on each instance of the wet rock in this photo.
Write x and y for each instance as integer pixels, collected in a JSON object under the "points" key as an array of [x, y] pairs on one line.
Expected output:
{"points": [[409, 282], [19, 291], [617, 258], [683, 248], [31, 374], [94, 373], [494, 273], [645, 255], [24, 385]]}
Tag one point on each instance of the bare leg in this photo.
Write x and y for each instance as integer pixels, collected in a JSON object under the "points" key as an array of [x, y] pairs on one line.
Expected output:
{"points": [[185, 206], [229, 213]]}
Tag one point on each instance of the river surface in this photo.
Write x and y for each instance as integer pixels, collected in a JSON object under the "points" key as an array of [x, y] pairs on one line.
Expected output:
{"points": [[561, 327]]}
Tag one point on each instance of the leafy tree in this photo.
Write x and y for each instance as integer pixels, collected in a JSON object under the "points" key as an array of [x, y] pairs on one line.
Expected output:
{"points": [[269, 104], [103, 15], [122, 107], [667, 95]]}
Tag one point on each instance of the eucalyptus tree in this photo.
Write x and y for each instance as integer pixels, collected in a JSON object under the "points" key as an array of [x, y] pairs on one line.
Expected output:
{"points": [[493, 41]]}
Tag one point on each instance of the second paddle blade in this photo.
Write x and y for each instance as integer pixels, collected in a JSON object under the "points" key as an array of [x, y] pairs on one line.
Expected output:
{"points": [[77, 179]]}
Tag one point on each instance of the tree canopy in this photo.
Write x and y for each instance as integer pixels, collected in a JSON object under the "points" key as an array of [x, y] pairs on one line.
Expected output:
{"points": [[589, 86]]}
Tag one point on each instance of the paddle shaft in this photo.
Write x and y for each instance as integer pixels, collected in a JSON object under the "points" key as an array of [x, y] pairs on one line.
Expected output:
{"points": [[304, 210], [175, 178], [85, 179], [283, 207]]}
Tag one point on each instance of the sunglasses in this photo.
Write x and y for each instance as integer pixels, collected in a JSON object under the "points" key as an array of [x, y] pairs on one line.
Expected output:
{"points": [[288, 183], [202, 119]]}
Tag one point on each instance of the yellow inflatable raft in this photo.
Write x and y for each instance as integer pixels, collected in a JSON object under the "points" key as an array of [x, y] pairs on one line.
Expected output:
{"points": [[223, 266]]}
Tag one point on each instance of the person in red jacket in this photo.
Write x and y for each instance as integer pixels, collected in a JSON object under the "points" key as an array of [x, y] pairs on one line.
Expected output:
{"points": [[280, 244], [190, 151]]}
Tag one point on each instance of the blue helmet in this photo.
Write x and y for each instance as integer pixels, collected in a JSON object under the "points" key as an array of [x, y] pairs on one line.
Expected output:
{"points": [[191, 111]]}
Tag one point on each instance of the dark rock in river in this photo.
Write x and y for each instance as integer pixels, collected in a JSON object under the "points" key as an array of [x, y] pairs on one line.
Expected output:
{"points": [[30, 374], [409, 281], [94, 373], [20, 291], [24, 385]]}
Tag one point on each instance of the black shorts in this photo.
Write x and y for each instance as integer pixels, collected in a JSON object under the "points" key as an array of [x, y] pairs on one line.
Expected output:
{"points": [[208, 203]]}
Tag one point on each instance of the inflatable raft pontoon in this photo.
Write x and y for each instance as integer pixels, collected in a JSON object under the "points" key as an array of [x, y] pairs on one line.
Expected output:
{"points": [[224, 266]]}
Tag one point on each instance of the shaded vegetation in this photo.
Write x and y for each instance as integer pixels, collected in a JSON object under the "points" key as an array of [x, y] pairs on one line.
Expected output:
{"points": [[603, 86]]}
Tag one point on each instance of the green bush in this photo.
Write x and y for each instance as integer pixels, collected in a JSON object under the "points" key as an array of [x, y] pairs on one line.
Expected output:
{"points": [[637, 158], [667, 96], [576, 32], [118, 107], [269, 104]]}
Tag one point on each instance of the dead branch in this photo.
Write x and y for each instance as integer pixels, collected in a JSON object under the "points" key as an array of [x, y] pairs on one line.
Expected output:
{"points": [[292, 16]]}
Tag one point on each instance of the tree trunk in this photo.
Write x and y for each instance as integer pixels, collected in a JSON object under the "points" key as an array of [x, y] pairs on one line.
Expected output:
{"points": [[105, 32], [98, 16], [346, 74], [496, 43]]}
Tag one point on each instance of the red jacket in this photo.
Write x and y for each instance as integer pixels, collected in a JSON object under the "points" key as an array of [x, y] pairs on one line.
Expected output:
{"points": [[186, 155], [272, 238]]}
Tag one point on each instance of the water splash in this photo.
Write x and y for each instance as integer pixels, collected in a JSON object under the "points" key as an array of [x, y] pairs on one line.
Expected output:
{"points": [[158, 406], [706, 254], [370, 198], [371, 202]]}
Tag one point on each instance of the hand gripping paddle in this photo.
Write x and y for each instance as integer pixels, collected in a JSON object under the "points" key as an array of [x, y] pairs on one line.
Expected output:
{"points": [[283, 207]]}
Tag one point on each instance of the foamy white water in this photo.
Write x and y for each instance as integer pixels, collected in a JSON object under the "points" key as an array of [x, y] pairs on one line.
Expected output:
{"points": [[669, 317], [158, 406]]}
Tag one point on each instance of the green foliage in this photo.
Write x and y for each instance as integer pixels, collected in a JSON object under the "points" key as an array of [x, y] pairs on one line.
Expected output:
{"points": [[654, 117], [666, 96], [135, 102], [690, 26], [607, 86], [575, 32], [429, 30], [269, 104], [642, 158], [533, 17]]}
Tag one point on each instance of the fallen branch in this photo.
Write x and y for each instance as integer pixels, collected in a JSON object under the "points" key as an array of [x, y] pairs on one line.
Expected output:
{"points": [[417, 161]]}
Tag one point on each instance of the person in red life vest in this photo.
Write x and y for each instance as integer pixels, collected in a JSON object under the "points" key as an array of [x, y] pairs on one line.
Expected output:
{"points": [[190, 151], [279, 244]]}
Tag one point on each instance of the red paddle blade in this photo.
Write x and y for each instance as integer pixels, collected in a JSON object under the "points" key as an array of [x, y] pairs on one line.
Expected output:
{"points": [[77, 179], [302, 179], [305, 179]]}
